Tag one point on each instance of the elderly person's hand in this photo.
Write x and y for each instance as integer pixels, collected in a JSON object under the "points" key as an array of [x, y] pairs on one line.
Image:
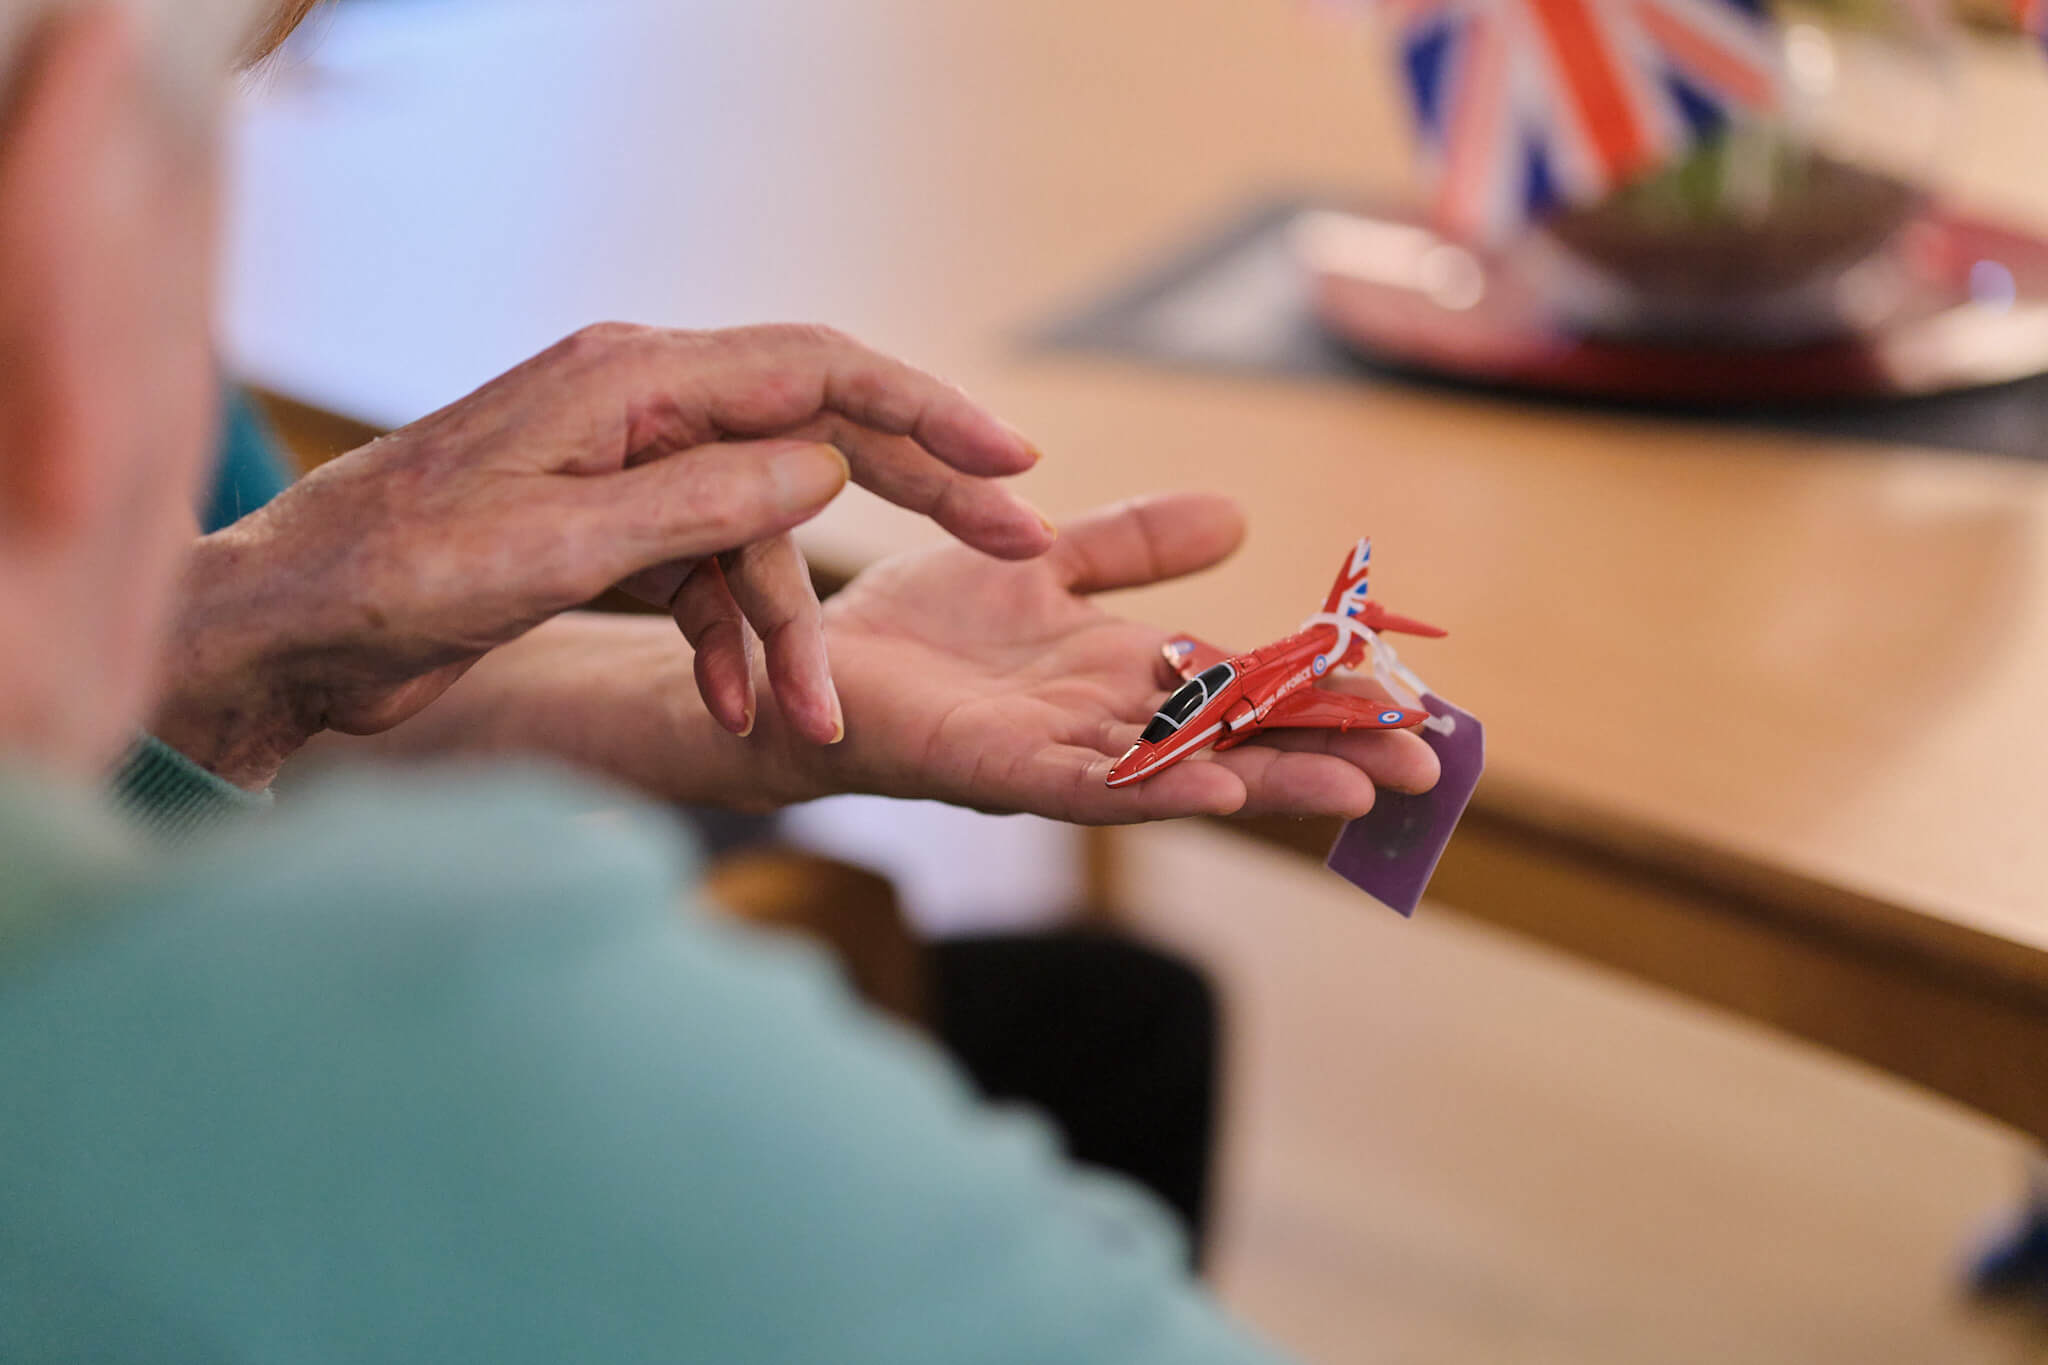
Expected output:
{"points": [[670, 463], [1006, 687]]}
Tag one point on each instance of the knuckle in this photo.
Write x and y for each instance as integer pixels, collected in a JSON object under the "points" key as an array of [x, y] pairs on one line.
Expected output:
{"points": [[799, 336], [824, 336], [600, 340], [776, 397], [745, 562], [787, 607], [880, 397]]}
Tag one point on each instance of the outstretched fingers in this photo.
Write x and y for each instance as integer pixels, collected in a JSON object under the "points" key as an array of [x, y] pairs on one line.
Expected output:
{"points": [[909, 436], [698, 502], [772, 585], [1302, 785], [711, 621], [1146, 540], [1396, 759], [977, 511], [1300, 773], [1082, 794], [763, 380]]}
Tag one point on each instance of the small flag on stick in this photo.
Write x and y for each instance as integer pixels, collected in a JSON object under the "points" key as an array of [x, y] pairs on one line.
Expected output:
{"points": [[1522, 106]]}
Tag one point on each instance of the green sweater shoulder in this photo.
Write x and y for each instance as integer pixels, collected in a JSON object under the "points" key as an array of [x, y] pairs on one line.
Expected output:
{"points": [[451, 1070]]}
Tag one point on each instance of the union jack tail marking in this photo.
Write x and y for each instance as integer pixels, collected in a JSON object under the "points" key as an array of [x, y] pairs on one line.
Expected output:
{"points": [[1347, 593]]}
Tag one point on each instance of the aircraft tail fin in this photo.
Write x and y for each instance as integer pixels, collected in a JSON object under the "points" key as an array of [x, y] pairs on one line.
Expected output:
{"points": [[1347, 598], [1347, 593]]}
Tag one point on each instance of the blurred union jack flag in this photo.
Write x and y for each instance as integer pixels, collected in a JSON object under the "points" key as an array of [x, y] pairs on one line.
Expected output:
{"points": [[1524, 105]]}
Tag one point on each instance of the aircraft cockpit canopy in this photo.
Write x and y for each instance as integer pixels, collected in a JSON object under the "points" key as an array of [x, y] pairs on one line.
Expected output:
{"points": [[1191, 697]]}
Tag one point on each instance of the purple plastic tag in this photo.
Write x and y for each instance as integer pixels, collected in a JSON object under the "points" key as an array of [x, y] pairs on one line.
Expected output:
{"points": [[1391, 851]]}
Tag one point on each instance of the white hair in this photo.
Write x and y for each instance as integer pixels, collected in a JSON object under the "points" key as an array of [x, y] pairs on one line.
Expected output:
{"points": [[191, 46]]}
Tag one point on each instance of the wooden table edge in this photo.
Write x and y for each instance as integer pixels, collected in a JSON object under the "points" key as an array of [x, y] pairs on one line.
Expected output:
{"points": [[1956, 1013]]}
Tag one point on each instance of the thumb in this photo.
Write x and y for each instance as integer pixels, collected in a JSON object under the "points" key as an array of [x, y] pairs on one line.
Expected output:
{"points": [[1146, 540], [704, 501]]}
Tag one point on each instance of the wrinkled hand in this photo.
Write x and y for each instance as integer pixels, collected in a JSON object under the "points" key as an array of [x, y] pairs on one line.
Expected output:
{"points": [[670, 463], [1005, 687]]}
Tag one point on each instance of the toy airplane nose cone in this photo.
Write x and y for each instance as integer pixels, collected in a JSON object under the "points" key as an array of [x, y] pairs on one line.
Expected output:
{"points": [[1126, 768]]}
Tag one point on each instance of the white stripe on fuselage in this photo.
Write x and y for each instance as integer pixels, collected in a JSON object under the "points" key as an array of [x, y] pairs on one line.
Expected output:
{"points": [[1176, 752]]}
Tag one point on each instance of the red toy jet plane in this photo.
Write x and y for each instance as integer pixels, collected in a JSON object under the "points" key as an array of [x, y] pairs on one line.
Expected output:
{"points": [[1229, 698]]}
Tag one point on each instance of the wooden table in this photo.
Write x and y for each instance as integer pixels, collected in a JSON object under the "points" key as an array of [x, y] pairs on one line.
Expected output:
{"points": [[1814, 784]]}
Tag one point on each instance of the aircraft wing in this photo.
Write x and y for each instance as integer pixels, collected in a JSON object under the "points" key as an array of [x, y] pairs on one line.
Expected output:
{"points": [[1314, 709], [1190, 656]]}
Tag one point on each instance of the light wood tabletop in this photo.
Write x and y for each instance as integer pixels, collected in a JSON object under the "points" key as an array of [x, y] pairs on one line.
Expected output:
{"points": [[1765, 711]]}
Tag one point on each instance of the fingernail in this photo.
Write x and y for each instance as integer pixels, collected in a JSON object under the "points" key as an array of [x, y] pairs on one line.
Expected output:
{"points": [[838, 719], [746, 724], [807, 476], [1030, 446], [1050, 529]]}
